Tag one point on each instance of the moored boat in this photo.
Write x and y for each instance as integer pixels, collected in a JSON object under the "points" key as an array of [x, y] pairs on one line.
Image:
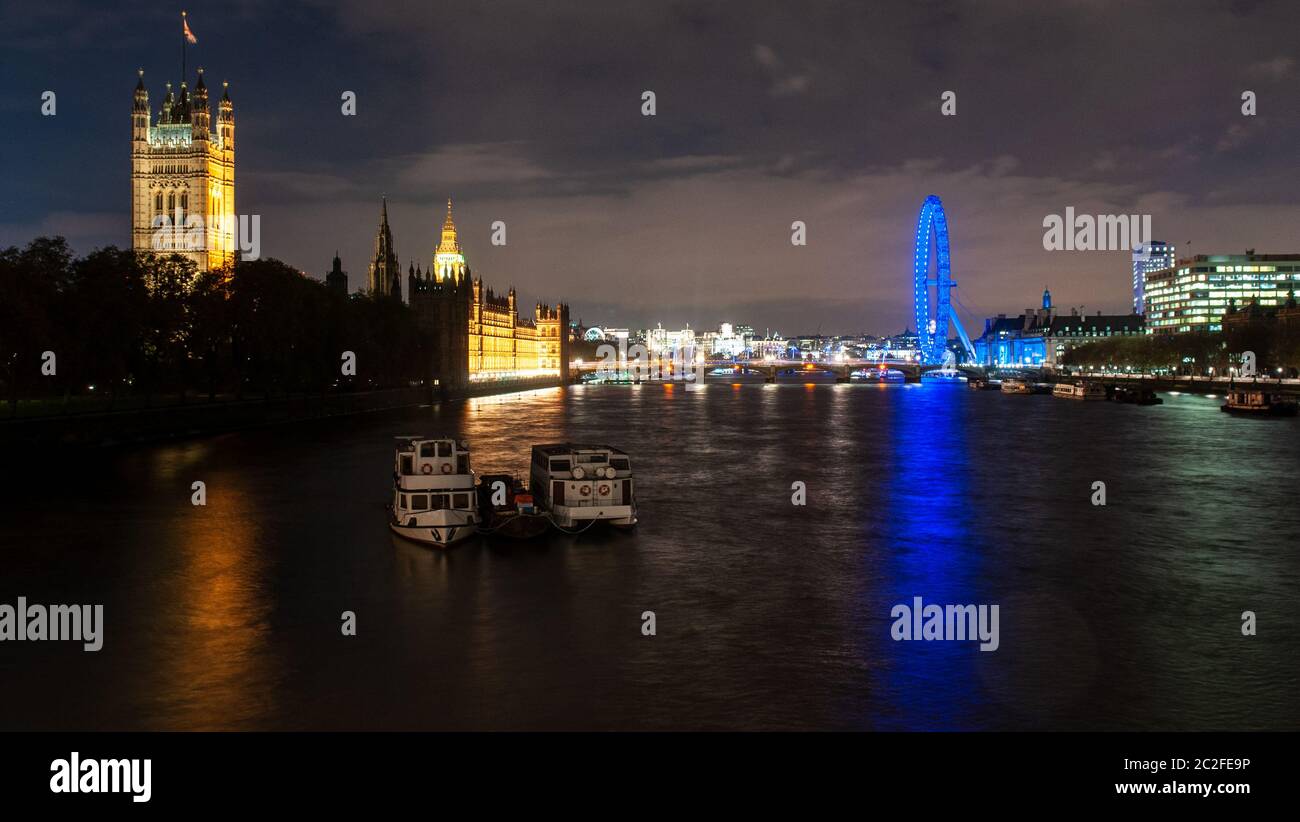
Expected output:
{"points": [[1016, 386], [434, 499], [1255, 403], [508, 509], [944, 375], [1079, 391], [1135, 395], [579, 485], [878, 376]]}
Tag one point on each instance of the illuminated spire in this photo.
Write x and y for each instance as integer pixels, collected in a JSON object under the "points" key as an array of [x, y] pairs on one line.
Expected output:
{"points": [[448, 261], [448, 244]]}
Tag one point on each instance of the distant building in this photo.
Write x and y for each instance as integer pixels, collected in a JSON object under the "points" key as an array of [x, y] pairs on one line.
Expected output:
{"points": [[771, 344], [336, 279], [724, 342], [1195, 294], [660, 340], [1155, 256], [1040, 337], [384, 278], [1287, 313], [477, 334]]}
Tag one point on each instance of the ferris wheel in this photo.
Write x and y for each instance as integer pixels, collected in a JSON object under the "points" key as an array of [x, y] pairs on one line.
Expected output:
{"points": [[930, 294]]}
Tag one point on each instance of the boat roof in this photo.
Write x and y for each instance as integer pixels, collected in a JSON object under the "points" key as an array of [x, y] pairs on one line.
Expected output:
{"points": [[563, 448]]}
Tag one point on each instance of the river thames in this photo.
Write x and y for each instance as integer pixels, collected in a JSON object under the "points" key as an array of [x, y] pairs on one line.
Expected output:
{"points": [[769, 615]]}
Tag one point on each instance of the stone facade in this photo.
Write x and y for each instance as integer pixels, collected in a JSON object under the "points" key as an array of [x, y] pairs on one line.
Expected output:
{"points": [[183, 176]]}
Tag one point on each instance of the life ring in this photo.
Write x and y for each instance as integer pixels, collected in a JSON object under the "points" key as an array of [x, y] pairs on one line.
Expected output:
{"points": [[446, 468], [579, 472], [585, 490], [604, 490], [426, 469]]}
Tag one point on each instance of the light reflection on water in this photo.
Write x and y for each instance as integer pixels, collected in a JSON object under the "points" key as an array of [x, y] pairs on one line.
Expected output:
{"points": [[769, 615]]}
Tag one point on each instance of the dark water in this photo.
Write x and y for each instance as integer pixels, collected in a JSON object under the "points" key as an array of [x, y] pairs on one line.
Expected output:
{"points": [[768, 615]]}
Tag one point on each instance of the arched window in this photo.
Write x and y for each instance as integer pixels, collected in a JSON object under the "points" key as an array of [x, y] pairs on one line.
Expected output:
{"points": [[185, 201], [171, 201], [157, 203]]}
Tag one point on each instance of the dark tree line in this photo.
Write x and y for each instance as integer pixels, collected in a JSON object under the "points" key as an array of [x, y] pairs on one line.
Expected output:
{"points": [[1275, 344], [143, 325]]}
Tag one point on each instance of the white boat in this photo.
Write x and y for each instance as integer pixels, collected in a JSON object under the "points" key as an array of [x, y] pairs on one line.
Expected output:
{"points": [[945, 374], [582, 484], [1016, 387], [1079, 391], [879, 375], [434, 500]]}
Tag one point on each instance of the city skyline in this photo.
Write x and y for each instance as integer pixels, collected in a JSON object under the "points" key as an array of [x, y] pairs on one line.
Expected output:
{"points": [[633, 218]]}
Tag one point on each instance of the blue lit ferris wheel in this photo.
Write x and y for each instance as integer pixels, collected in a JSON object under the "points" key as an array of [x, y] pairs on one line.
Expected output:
{"points": [[930, 295]]}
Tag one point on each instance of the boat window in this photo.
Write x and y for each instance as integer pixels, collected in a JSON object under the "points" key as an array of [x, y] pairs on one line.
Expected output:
{"points": [[619, 464], [462, 463], [419, 502], [597, 458], [408, 466], [437, 502], [426, 449], [460, 501], [561, 465], [404, 505], [444, 449]]}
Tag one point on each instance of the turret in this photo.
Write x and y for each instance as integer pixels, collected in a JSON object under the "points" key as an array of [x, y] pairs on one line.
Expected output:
{"points": [[336, 279], [181, 112], [201, 116], [169, 102], [140, 112], [226, 118]]}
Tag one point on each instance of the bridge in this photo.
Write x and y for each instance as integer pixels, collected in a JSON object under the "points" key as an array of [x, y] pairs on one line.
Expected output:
{"points": [[653, 370]]}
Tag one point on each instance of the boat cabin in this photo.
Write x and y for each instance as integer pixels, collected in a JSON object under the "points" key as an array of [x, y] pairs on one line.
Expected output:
{"points": [[431, 457], [581, 476]]}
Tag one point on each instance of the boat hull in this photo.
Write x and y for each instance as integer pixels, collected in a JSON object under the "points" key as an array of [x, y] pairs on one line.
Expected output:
{"points": [[519, 526], [441, 537], [1278, 410], [577, 516], [440, 528]]}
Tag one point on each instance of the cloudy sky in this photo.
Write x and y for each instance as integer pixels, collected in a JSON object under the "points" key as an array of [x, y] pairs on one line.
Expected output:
{"points": [[826, 112]]}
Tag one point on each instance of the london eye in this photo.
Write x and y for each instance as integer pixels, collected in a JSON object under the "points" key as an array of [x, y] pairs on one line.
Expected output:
{"points": [[931, 293]]}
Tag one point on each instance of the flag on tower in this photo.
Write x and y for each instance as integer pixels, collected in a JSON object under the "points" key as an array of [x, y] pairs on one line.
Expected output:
{"points": [[189, 35]]}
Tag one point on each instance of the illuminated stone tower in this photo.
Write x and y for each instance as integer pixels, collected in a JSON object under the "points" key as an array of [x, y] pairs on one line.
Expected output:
{"points": [[448, 260], [385, 274], [183, 176]]}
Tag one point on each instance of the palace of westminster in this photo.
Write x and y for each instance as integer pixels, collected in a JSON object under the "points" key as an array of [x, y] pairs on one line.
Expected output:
{"points": [[183, 174]]}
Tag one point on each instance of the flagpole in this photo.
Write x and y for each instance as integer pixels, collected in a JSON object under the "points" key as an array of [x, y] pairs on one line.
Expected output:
{"points": [[182, 47]]}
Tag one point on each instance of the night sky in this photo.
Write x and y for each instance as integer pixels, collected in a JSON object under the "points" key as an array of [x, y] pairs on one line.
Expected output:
{"points": [[530, 112]]}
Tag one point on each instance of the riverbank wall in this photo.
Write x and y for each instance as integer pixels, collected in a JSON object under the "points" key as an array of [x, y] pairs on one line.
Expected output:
{"points": [[199, 417]]}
